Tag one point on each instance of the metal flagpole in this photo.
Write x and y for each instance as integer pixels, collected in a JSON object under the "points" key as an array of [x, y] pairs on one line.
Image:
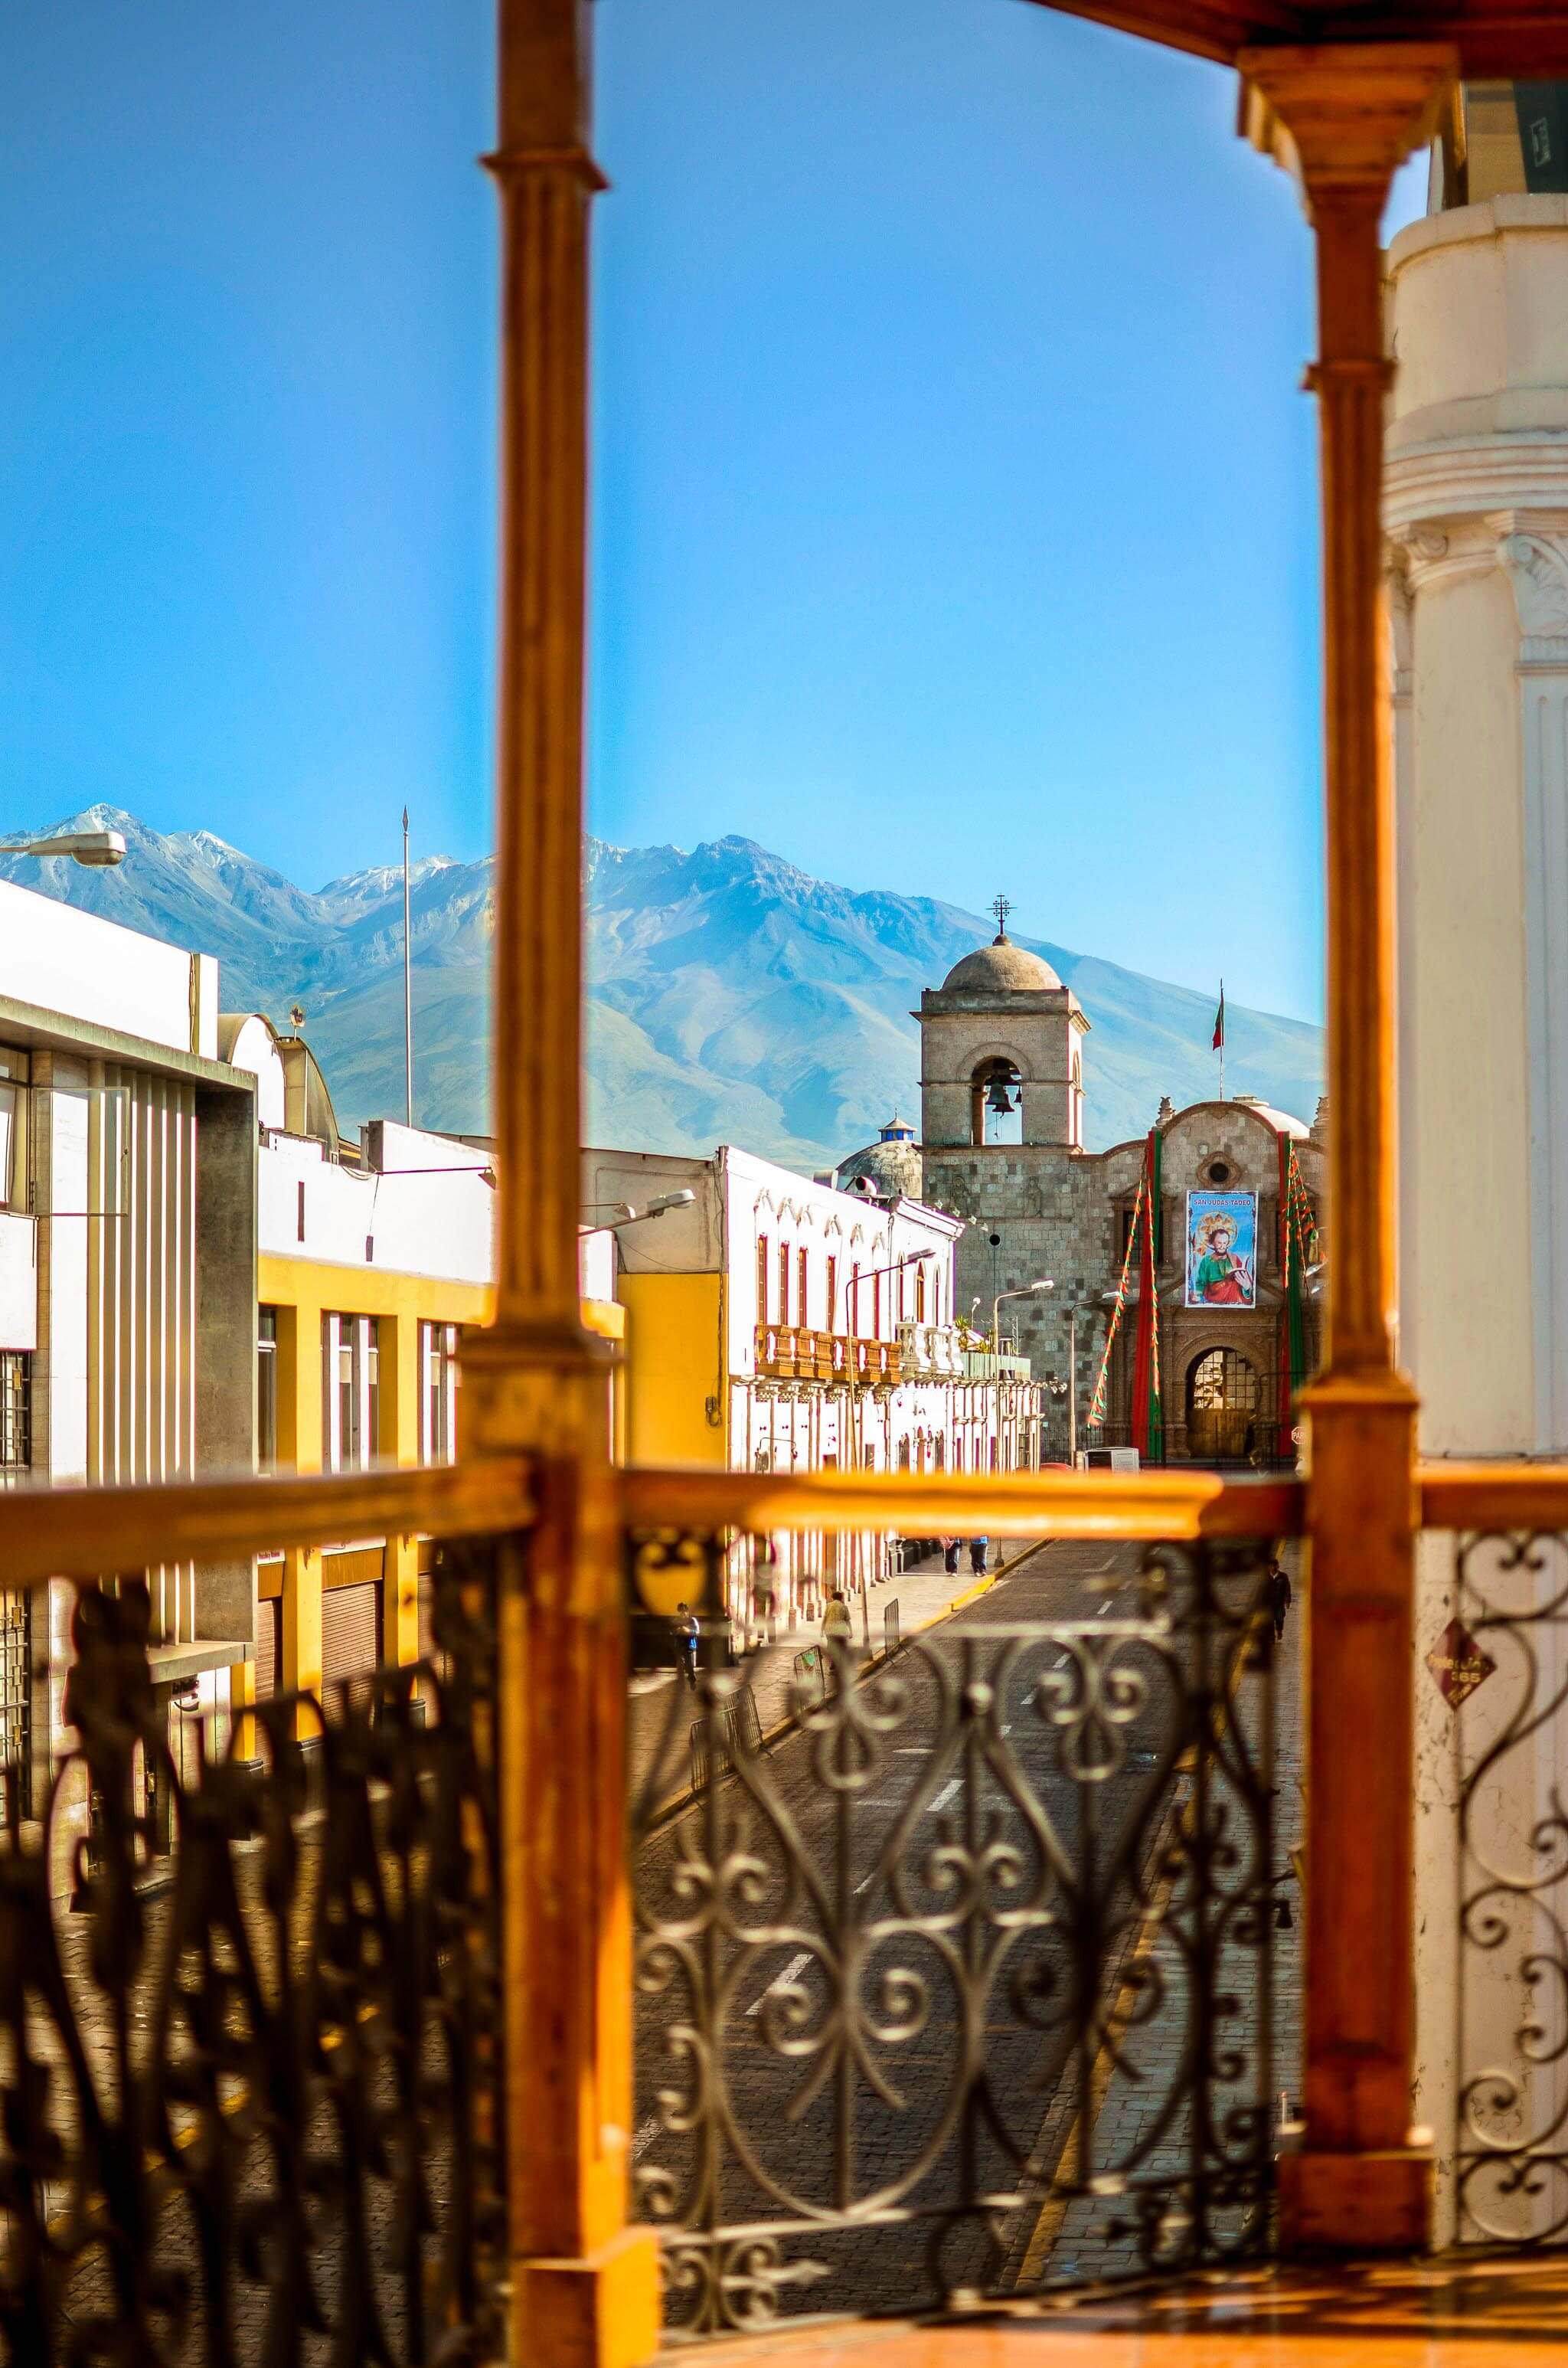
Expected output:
{"points": [[408, 986]]}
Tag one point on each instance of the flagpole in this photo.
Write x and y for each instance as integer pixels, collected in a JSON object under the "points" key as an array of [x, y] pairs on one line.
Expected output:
{"points": [[1222, 1034], [408, 986]]}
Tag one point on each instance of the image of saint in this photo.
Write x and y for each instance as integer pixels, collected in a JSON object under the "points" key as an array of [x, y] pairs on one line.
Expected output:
{"points": [[1221, 1278]]}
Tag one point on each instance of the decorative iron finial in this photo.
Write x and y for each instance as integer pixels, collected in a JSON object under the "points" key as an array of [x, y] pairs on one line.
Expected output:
{"points": [[1001, 906]]}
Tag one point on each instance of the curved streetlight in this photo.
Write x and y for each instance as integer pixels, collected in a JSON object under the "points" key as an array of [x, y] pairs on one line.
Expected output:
{"points": [[98, 849]]}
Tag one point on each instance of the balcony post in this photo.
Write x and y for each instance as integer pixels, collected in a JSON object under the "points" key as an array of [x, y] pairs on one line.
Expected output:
{"points": [[584, 2285], [1342, 120]]}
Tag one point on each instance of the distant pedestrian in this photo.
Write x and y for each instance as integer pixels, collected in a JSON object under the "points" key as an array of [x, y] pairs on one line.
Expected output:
{"points": [[838, 1628], [1278, 1582], [950, 1555], [763, 1596], [686, 1633], [979, 1548]]}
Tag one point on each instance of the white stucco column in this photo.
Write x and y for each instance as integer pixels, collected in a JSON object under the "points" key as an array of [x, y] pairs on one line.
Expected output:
{"points": [[1476, 506]]}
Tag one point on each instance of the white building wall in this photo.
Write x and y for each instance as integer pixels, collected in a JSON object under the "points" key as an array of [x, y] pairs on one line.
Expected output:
{"points": [[89, 969], [441, 1224]]}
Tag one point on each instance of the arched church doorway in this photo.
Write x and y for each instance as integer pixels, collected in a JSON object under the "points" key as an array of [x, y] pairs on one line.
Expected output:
{"points": [[996, 1102], [1224, 1403]]}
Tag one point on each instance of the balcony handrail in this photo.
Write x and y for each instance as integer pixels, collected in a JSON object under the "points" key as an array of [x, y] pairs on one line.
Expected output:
{"points": [[58, 1531], [1504, 1495], [1143, 1505], [67, 1532]]}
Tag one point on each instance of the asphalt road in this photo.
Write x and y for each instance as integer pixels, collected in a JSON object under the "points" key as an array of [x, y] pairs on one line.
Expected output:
{"points": [[945, 1860]]}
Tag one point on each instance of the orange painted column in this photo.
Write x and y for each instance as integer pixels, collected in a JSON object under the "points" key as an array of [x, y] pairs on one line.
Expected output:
{"points": [[1343, 119], [585, 2285]]}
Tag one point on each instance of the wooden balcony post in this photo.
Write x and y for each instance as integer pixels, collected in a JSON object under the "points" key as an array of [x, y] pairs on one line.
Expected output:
{"points": [[1343, 119], [584, 2284]]}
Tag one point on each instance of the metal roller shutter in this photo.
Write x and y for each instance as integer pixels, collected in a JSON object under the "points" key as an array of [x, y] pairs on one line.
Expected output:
{"points": [[350, 1631], [269, 1646]]}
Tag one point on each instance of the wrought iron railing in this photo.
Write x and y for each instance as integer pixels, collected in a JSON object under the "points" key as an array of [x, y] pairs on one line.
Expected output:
{"points": [[966, 1986], [1500, 1663], [250, 2088]]}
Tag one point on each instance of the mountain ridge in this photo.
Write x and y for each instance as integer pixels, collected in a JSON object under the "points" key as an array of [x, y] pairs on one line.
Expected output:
{"points": [[732, 995]]}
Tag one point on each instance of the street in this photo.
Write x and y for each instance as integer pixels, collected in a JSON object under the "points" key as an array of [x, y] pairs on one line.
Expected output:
{"points": [[869, 1960]]}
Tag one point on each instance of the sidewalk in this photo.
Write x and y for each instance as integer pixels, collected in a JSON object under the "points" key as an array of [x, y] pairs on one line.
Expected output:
{"points": [[658, 1743]]}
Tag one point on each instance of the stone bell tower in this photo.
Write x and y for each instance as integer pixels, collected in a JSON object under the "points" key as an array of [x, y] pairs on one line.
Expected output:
{"points": [[1001, 1040], [1002, 1126]]}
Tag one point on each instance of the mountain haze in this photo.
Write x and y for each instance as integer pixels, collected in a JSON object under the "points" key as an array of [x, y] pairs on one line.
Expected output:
{"points": [[732, 996]]}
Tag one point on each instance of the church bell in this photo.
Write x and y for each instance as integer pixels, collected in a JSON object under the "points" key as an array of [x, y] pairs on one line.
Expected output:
{"points": [[997, 1097]]}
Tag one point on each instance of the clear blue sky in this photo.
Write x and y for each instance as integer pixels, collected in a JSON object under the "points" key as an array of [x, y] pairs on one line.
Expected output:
{"points": [[954, 514]]}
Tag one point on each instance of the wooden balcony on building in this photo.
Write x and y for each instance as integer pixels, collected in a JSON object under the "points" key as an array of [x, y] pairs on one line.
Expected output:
{"points": [[795, 1352]]}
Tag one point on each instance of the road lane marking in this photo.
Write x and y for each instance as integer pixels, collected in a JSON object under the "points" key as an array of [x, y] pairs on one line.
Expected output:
{"points": [[796, 1965]]}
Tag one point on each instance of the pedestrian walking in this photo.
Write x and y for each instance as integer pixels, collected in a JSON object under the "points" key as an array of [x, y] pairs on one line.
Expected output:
{"points": [[1278, 1582], [838, 1628], [762, 1587], [950, 1555], [686, 1630], [979, 1548]]}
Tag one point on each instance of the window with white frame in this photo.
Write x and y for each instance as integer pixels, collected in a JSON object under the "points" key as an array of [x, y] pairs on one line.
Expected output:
{"points": [[437, 1393], [12, 1128], [350, 1398]]}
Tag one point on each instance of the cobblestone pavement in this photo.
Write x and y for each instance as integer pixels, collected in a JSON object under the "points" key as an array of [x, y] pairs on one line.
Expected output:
{"points": [[659, 1737], [910, 1861], [1092, 2240]]}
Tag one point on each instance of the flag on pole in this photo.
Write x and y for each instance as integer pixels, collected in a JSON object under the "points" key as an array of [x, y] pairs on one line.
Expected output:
{"points": [[1219, 1045]]}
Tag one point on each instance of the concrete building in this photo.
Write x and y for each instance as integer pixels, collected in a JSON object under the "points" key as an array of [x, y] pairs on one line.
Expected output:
{"points": [[128, 1260], [1001, 1148], [374, 1255], [199, 1274], [1476, 511], [774, 1323]]}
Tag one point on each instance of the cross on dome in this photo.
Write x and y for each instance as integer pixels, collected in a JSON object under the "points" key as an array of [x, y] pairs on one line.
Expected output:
{"points": [[1001, 906]]}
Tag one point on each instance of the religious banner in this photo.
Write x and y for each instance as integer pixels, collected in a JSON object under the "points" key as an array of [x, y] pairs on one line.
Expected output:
{"points": [[1222, 1250]]}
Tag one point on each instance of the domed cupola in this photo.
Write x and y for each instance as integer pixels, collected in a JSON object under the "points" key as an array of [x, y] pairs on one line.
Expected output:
{"points": [[1000, 968]]}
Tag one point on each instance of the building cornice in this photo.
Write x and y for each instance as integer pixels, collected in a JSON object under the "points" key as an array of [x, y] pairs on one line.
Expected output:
{"points": [[1430, 485]]}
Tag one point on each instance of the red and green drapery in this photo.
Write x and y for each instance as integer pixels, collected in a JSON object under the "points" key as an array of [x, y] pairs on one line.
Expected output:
{"points": [[1144, 1245], [1298, 1251]]}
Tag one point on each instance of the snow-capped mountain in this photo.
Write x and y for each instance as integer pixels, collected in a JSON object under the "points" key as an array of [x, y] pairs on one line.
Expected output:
{"points": [[733, 998]]}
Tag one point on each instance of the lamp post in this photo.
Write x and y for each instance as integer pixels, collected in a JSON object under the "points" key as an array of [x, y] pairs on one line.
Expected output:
{"points": [[1027, 1290], [914, 1257], [97, 849]]}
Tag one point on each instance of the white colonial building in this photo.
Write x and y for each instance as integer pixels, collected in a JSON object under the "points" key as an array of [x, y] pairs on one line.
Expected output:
{"points": [[774, 1323]]}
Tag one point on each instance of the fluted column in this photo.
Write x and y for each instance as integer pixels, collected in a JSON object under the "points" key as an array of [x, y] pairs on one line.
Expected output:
{"points": [[1342, 120]]}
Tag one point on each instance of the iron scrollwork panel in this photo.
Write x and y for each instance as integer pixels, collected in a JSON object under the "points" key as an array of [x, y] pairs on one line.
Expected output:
{"points": [[1503, 1665], [983, 1940], [250, 2089]]}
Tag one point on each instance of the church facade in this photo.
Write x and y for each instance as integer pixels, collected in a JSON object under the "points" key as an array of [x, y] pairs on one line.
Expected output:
{"points": [[1001, 1146]]}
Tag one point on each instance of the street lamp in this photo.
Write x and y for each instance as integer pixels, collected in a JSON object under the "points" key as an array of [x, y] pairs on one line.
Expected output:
{"points": [[98, 849], [1044, 1282], [659, 1206]]}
